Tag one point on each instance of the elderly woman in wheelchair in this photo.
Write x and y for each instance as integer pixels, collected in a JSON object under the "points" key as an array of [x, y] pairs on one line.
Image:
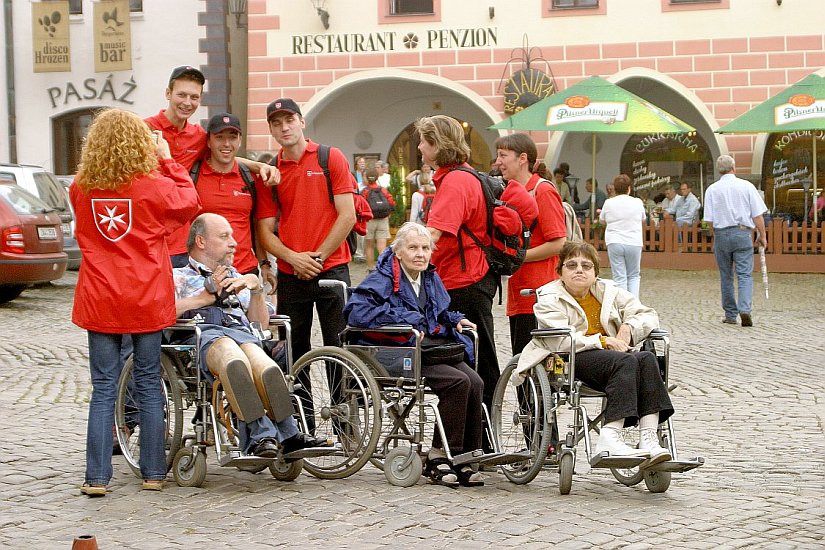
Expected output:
{"points": [[607, 323], [405, 290]]}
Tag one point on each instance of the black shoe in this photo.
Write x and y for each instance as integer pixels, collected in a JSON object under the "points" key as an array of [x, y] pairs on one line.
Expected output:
{"points": [[746, 319], [303, 441], [265, 448]]}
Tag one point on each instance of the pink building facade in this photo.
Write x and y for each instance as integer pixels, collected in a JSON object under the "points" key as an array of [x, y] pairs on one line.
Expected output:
{"points": [[363, 81]]}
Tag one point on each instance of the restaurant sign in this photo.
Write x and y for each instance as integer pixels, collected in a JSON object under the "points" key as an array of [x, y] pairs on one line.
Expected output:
{"points": [[799, 107], [580, 108], [391, 41]]}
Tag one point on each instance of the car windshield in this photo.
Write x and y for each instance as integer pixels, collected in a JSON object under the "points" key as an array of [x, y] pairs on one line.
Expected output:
{"points": [[51, 191], [22, 201]]}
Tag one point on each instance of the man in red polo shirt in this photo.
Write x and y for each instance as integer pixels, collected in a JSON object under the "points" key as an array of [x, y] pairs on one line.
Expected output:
{"points": [[311, 239], [187, 141], [459, 201], [223, 190]]}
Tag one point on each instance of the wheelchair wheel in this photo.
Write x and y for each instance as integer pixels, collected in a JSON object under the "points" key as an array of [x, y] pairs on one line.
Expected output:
{"points": [[189, 467], [400, 473], [126, 413], [566, 463], [286, 471], [337, 398], [657, 482], [519, 421]]}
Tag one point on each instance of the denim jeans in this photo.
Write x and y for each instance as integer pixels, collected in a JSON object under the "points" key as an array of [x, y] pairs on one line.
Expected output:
{"points": [[105, 367], [625, 264], [733, 248]]}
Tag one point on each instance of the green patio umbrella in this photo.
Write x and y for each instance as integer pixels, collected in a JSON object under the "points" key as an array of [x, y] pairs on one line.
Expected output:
{"points": [[800, 107], [595, 106]]}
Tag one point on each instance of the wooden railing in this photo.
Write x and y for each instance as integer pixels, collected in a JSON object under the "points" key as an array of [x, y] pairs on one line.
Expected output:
{"points": [[794, 247]]}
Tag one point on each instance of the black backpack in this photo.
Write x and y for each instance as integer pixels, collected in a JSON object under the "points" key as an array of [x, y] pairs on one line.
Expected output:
{"points": [[380, 206], [507, 248], [323, 162], [249, 186]]}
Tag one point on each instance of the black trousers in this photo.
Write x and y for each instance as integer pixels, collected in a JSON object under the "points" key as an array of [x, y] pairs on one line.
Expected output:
{"points": [[476, 302], [297, 297], [632, 382], [459, 391], [521, 325]]}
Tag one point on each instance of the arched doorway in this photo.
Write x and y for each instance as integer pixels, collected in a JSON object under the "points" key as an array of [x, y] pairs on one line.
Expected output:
{"points": [[68, 131]]}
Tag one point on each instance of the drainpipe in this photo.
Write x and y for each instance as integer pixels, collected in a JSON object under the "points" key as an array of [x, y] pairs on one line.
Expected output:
{"points": [[7, 20]]}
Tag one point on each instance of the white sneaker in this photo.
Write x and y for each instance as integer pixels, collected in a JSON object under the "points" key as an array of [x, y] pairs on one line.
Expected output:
{"points": [[611, 441], [649, 441]]}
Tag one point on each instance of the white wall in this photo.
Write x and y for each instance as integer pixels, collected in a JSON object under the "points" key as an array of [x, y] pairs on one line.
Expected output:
{"points": [[164, 36]]}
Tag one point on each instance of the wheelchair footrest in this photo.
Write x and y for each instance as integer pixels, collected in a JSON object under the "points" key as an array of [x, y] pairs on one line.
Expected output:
{"points": [[470, 457], [500, 459], [235, 460], [604, 460], [678, 466], [311, 452]]}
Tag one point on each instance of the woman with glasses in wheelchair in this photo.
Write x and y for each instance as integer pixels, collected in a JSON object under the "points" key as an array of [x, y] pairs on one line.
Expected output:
{"points": [[405, 289], [608, 321]]}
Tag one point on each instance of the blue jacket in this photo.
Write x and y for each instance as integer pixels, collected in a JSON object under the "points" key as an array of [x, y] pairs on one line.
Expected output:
{"points": [[386, 297]]}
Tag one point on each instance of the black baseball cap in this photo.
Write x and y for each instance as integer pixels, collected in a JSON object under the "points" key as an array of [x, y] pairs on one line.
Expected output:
{"points": [[178, 72], [283, 105], [222, 121]]}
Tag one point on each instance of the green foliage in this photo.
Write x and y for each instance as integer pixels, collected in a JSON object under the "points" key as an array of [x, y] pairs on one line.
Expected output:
{"points": [[396, 189]]}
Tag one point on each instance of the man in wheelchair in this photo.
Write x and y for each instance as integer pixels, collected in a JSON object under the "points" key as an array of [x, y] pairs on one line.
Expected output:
{"points": [[405, 289], [224, 303], [607, 322]]}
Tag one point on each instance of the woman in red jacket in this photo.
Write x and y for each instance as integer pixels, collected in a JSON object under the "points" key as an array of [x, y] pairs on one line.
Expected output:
{"points": [[126, 201]]}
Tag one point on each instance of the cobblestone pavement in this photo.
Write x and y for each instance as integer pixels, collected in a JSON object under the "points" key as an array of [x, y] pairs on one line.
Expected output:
{"points": [[749, 400]]}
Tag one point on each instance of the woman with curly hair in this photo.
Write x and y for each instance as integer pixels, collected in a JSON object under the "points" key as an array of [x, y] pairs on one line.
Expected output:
{"points": [[128, 195]]}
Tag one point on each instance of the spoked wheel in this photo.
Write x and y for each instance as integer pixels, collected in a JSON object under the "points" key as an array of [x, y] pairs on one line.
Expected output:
{"points": [[127, 421], [519, 425], [189, 467], [566, 463], [337, 398], [629, 476], [402, 469], [286, 471], [393, 411]]}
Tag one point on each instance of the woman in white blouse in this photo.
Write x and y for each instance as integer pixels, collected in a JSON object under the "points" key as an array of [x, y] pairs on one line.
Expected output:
{"points": [[625, 217]]}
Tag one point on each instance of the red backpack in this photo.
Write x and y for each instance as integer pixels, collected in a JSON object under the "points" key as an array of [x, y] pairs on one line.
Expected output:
{"points": [[512, 214]]}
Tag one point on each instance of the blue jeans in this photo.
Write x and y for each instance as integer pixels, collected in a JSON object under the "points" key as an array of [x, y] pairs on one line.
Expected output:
{"points": [[105, 367], [625, 263], [733, 248]]}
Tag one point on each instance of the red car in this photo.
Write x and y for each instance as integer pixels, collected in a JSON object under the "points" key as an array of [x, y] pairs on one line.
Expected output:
{"points": [[31, 241]]}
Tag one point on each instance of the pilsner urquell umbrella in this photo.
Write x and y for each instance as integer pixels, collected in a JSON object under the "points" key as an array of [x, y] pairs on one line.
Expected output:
{"points": [[595, 106], [800, 107]]}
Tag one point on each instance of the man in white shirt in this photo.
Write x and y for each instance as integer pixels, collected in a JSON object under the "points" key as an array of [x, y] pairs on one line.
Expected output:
{"points": [[735, 208], [670, 198]]}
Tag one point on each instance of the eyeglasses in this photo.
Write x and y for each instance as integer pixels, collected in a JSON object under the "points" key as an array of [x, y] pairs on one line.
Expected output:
{"points": [[573, 265]]}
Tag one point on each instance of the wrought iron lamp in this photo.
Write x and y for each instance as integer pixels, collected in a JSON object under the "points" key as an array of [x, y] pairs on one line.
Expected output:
{"points": [[238, 9]]}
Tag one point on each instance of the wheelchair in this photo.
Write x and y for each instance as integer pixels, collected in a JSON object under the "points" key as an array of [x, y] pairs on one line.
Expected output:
{"points": [[406, 406], [320, 408], [525, 417]]}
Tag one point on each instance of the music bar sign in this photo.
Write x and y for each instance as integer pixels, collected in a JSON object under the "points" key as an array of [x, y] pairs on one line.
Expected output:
{"points": [[113, 36], [50, 37]]}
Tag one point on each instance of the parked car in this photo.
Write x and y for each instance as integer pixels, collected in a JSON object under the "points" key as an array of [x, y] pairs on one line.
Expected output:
{"points": [[71, 243], [31, 241], [44, 185]]}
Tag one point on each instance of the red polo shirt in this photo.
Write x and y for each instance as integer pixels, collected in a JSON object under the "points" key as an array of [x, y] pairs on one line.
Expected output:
{"points": [[307, 215], [226, 194], [458, 201], [187, 145], [550, 226]]}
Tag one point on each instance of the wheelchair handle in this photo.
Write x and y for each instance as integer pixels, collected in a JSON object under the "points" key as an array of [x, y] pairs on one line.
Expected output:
{"points": [[550, 332]]}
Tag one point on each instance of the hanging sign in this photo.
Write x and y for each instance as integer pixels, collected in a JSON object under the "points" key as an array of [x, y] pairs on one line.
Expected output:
{"points": [[50, 37], [112, 36]]}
